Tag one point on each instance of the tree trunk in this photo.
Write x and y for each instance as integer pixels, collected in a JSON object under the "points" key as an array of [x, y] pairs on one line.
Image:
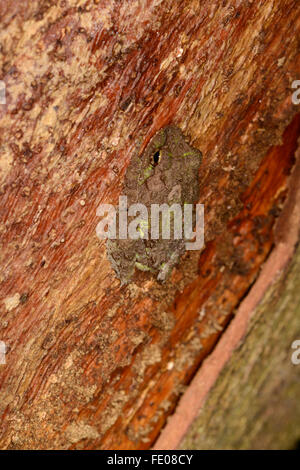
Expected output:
{"points": [[91, 364]]}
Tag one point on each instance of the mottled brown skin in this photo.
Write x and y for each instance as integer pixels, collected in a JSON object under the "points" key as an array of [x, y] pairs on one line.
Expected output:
{"points": [[166, 172]]}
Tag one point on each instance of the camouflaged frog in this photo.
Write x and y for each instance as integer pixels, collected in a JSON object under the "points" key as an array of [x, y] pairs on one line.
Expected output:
{"points": [[166, 172]]}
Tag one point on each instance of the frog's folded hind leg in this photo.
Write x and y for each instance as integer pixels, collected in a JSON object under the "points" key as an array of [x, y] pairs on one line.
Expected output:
{"points": [[123, 255]]}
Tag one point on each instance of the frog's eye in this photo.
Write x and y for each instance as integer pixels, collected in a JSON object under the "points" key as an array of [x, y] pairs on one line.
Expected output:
{"points": [[156, 157]]}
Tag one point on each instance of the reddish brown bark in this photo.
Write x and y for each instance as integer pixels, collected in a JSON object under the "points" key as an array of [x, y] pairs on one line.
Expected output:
{"points": [[90, 364]]}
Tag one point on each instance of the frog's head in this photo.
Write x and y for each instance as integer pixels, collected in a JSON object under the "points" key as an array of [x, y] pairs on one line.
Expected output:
{"points": [[168, 152], [154, 156]]}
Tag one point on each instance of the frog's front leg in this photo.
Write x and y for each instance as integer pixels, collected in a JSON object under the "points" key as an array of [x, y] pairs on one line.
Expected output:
{"points": [[121, 254], [125, 256]]}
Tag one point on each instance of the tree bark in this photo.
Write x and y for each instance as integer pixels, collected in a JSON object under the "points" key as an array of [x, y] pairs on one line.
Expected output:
{"points": [[255, 403], [91, 364], [245, 394]]}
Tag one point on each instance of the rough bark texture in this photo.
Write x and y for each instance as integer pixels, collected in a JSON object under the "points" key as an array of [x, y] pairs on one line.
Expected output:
{"points": [[244, 394], [255, 403], [90, 364]]}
